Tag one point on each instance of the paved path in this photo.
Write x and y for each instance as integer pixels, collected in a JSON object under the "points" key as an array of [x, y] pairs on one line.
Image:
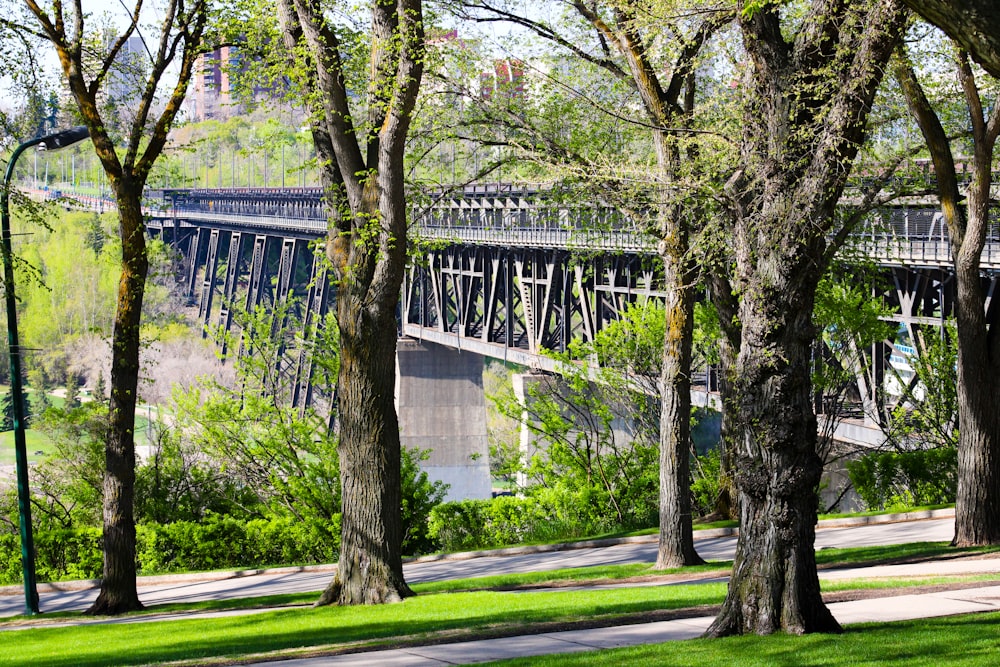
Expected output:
{"points": [[899, 608], [290, 580]]}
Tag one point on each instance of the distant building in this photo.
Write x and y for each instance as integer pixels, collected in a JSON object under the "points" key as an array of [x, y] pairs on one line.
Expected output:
{"points": [[127, 76], [507, 78], [214, 90], [211, 96]]}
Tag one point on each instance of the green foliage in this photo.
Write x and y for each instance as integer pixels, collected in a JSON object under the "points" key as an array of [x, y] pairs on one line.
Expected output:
{"points": [[926, 413], [420, 496], [708, 482], [899, 480], [503, 521], [77, 258], [7, 412], [214, 542], [225, 542], [177, 483], [60, 555], [68, 485], [851, 319], [920, 464], [579, 449]]}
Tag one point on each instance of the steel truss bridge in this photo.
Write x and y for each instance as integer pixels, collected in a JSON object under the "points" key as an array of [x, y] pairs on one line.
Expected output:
{"points": [[497, 270]]}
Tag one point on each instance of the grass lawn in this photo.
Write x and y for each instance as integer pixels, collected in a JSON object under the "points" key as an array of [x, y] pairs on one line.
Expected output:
{"points": [[729, 523], [959, 640], [462, 615], [469, 614], [35, 442]]}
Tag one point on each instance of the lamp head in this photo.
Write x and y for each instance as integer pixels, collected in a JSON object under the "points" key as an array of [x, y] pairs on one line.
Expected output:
{"points": [[64, 138]]}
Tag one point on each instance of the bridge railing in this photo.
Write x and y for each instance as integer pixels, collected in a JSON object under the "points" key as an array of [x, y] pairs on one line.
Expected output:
{"points": [[905, 235]]}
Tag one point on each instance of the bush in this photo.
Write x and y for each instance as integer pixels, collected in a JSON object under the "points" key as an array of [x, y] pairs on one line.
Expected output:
{"points": [[60, 555], [486, 524], [224, 542], [708, 482], [903, 479], [217, 542]]}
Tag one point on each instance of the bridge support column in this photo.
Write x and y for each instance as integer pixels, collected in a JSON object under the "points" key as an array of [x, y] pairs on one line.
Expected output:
{"points": [[529, 441], [442, 409]]}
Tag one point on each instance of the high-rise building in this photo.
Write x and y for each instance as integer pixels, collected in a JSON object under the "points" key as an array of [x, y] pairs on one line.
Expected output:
{"points": [[127, 77], [211, 96]]}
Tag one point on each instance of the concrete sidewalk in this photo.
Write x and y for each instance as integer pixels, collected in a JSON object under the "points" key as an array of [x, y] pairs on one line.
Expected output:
{"points": [[897, 608]]}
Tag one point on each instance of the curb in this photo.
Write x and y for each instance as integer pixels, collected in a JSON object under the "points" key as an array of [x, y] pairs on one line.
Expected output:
{"points": [[707, 534]]}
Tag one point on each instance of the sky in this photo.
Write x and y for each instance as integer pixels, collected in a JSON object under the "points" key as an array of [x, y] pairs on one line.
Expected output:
{"points": [[114, 9]]}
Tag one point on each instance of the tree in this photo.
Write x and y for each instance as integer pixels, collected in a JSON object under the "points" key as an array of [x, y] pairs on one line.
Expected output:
{"points": [[808, 84], [977, 503], [7, 412], [90, 63], [974, 24], [619, 45], [360, 143]]}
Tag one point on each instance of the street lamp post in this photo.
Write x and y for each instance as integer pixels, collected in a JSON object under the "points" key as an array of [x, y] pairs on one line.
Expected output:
{"points": [[50, 142]]}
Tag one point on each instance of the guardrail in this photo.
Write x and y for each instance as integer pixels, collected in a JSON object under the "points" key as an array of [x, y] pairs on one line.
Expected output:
{"points": [[501, 216]]}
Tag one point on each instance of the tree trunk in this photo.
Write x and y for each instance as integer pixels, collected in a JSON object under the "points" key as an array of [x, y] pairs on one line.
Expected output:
{"points": [[977, 501], [727, 310], [975, 24], [676, 540], [118, 586], [774, 585], [370, 569]]}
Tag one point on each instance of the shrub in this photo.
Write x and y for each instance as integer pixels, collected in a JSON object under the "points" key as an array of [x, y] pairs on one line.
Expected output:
{"points": [[904, 479], [216, 542], [224, 542], [484, 524]]}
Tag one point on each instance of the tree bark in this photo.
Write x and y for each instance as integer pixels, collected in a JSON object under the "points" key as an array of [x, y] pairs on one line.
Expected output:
{"points": [[774, 585], [118, 585], [676, 536], [145, 136], [727, 309], [370, 569], [676, 539], [977, 501], [364, 182], [975, 24], [809, 88]]}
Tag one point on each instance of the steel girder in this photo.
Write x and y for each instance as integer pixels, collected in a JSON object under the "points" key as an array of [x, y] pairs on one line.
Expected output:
{"points": [[530, 299]]}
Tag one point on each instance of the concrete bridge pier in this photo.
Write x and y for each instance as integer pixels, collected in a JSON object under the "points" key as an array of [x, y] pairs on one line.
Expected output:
{"points": [[442, 409], [524, 384]]}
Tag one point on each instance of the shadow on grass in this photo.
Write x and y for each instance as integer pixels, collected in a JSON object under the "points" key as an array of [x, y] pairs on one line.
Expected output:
{"points": [[958, 640], [143, 643]]}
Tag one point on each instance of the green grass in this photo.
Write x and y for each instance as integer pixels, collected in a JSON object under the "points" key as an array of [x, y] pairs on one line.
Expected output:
{"points": [[959, 640], [849, 557], [895, 553], [729, 523], [454, 617], [850, 515], [35, 441], [433, 614], [580, 575], [462, 613]]}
